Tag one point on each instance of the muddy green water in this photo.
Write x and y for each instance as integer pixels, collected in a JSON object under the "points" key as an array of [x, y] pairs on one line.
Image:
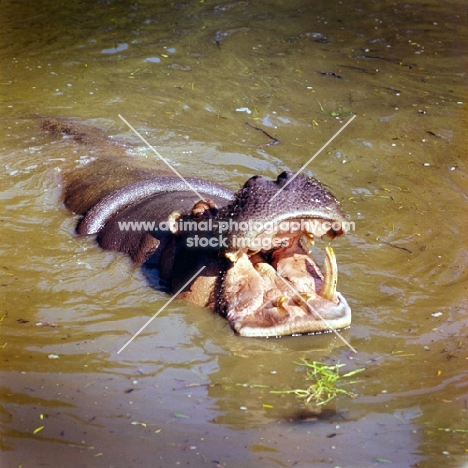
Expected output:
{"points": [[187, 392]]}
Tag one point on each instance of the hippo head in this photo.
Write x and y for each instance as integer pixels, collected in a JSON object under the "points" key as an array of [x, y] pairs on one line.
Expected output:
{"points": [[274, 286]]}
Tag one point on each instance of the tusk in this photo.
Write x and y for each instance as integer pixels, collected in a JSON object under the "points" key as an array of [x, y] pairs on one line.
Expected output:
{"points": [[330, 275]]}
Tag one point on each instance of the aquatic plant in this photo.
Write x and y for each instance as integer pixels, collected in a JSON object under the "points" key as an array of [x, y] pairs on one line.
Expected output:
{"points": [[324, 386]]}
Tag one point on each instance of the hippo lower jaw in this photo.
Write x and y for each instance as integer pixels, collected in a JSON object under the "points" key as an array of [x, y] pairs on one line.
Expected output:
{"points": [[288, 296], [333, 317]]}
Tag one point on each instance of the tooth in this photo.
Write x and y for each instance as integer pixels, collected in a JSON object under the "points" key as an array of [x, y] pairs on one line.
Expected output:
{"points": [[301, 299], [310, 237], [279, 301], [307, 241], [266, 270], [233, 256], [330, 275]]}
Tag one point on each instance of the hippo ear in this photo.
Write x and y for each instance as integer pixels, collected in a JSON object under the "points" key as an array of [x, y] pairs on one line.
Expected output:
{"points": [[204, 209]]}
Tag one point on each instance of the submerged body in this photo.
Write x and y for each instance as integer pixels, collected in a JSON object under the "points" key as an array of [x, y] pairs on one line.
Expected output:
{"points": [[253, 244]]}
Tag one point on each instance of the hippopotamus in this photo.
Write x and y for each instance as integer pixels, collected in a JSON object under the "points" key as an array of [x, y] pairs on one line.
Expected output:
{"points": [[253, 244]]}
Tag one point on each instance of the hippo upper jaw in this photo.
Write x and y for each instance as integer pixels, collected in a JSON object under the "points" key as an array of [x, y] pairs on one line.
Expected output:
{"points": [[283, 292]]}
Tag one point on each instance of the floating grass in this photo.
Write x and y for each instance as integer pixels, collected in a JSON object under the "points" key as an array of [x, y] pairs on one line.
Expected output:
{"points": [[324, 386]]}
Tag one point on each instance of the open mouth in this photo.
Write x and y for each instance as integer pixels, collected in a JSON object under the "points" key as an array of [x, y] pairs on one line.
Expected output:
{"points": [[282, 290]]}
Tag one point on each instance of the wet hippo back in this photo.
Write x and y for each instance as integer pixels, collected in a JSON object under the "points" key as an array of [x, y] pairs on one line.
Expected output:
{"points": [[143, 226], [150, 189]]}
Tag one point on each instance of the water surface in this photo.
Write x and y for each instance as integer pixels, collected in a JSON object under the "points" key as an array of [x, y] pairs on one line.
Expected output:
{"points": [[188, 76]]}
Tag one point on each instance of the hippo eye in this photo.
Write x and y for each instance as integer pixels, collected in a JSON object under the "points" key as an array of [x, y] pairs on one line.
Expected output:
{"points": [[254, 181], [283, 178]]}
